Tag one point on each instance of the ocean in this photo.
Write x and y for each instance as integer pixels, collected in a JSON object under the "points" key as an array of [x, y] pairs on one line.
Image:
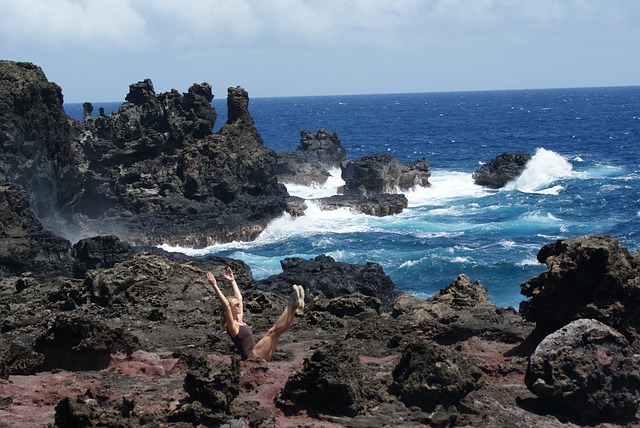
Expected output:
{"points": [[584, 178]]}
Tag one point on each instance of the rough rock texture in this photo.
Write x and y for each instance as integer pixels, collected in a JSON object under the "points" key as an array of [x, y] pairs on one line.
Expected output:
{"points": [[587, 277], [25, 247], [310, 163], [460, 311], [81, 343], [589, 368], [338, 278], [94, 409], [383, 173], [151, 172], [100, 252], [433, 378], [501, 169], [36, 151], [329, 382], [212, 386], [172, 179]]}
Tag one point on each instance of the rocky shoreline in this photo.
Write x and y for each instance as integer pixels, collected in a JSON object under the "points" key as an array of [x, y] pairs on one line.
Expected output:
{"points": [[112, 331]]}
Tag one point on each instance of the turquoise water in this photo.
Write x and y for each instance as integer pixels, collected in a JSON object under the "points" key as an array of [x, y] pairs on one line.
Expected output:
{"points": [[584, 178]]}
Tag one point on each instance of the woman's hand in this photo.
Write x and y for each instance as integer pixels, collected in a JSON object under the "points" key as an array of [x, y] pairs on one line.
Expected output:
{"points": [[228, 274], [212, 280]]}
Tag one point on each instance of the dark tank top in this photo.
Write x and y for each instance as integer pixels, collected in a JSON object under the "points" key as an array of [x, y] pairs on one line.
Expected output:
{"points": [[244, 342]]}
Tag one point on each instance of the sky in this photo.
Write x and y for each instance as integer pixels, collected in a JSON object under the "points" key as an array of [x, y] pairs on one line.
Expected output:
{"points": [[95, 49]]}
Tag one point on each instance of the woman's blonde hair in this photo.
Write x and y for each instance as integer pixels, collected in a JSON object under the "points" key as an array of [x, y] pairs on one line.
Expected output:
{"points": [[223, 320]]}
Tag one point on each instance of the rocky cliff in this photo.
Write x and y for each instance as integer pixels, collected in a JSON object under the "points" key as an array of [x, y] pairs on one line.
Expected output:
{"points": [[151, 172]]}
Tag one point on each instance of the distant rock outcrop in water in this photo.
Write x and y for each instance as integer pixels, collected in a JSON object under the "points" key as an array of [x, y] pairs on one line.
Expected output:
{"points": [[501, 170], [320, 153], [310, 163], [383, 173]]}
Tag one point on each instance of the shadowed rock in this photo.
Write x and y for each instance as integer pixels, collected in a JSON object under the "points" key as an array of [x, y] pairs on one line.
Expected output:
{"points": [[94, 409], [80, 343], [383, 173], [310, 163], [100, 252], [433, 378], [329, 382], [501, 169], [337, 279], [24, 244]]}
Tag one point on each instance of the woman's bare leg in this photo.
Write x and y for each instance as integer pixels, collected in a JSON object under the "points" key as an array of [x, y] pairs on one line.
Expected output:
{"points": [[267, 345]]}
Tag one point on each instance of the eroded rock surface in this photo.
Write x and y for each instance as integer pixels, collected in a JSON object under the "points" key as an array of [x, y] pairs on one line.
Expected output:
{"points": [[151, 172], [589, 276], [589, 368]]}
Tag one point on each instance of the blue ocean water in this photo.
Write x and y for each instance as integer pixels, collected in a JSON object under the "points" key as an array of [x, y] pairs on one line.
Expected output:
{"points": [[584, 178]]}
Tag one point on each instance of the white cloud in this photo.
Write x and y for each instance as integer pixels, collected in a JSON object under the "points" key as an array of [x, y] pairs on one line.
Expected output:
{"points": [[282, 47], [94, 24]]}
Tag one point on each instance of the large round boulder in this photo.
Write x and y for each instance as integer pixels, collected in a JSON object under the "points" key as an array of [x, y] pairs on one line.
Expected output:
{"points": [[589, 368]]}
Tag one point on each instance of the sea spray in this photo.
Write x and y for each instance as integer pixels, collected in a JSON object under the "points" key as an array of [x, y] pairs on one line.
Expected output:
{"points": [[543, 169]]}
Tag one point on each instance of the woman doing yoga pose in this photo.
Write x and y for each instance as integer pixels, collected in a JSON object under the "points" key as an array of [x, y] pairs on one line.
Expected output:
{"points": [[241, 335]]}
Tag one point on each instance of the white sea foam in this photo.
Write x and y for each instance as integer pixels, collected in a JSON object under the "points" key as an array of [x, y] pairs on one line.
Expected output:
{"points": [[506, 243], [445, 186], [529, 261], [323, 190], [541, 171]]}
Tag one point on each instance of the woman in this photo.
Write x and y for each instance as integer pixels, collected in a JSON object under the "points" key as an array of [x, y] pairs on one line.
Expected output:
{"points": [[240, 333]]}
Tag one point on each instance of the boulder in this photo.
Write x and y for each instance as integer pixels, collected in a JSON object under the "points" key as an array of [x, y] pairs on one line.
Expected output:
{"points": [[352, 305], [383, 173], [324, 276], [434, 378], [330, 382], [589, 368], [589, 276], [501, 169], [97, 409], [310, 163], [215, 385]]}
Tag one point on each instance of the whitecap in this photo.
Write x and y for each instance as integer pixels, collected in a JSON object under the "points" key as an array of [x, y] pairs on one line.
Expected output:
{"points": [[507, 243], [543, 169], [530, 261]]}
